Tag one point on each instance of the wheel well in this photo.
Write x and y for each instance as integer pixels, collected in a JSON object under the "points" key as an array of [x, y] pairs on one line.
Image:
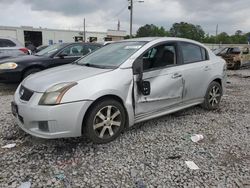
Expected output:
{"points": [[218, 80], [114, 97], [31, 67]]}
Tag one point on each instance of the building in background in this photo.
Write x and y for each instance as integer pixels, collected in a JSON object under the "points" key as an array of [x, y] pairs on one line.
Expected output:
{"points": [[42, 36]]}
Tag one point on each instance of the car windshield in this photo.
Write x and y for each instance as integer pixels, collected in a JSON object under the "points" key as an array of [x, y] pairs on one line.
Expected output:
{"points": [[112, 55], [50, 50], [219, 50]]}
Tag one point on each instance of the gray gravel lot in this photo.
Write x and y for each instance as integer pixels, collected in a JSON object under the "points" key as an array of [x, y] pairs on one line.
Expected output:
{"points": [[152, 154]]}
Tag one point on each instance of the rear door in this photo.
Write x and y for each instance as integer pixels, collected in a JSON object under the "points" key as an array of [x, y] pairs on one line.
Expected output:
{"points": [[161, 69], [196, 71]]}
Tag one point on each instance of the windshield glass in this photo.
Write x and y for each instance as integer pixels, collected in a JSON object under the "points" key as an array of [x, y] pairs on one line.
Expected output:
{"points": [[112, 55], [49, 50]]}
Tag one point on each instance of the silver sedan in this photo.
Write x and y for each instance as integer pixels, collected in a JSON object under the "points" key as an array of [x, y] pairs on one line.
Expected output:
{"points": [[117, 86]]}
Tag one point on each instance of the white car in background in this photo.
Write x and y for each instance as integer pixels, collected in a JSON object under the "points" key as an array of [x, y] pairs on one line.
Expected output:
{"points": [[10, 47]]}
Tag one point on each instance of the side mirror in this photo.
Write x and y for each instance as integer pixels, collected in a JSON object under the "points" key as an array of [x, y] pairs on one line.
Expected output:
{"points": [[143, 86], [62, 55]]}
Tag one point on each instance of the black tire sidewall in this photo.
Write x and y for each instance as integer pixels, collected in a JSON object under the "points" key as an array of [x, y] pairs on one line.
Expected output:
{"points": [[88, 123], [207, 105]]}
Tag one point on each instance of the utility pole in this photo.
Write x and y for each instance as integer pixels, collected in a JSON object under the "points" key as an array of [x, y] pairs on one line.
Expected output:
{"points": [[216, 34], [84, 30], [131, 18], [131, 8], [118, 25]]}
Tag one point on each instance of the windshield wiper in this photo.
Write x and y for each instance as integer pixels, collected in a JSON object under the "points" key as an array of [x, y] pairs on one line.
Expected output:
{"points": [[97, 66]]}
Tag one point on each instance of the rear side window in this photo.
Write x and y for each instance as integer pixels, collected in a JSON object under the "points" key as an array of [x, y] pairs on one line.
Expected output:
{"points": [[193, 53], [6, 43]]}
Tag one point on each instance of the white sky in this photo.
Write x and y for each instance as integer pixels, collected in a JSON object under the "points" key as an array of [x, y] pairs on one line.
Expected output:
{"points": [[101, 15]]}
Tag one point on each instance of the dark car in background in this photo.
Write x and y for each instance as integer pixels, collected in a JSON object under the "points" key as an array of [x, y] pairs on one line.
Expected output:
{"points": [[40, 48], [236, 57], [16, 69]]}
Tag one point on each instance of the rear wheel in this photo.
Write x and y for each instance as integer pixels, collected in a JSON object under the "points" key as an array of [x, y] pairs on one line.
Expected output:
{"points": [[30, 71], [105, 121], [236, 66], [213, 96]]}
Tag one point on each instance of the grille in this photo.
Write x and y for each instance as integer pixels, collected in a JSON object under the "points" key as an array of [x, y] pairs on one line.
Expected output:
{"points": [[25, 94]]}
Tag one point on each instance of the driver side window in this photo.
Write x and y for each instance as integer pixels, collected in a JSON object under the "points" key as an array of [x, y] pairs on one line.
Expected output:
{"points": [[159, 56], [76, 50]]}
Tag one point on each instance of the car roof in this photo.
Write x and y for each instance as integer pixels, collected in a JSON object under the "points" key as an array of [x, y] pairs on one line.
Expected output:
{"points": [[163, 39], [86, 43], [149, 39], [18, 44]]}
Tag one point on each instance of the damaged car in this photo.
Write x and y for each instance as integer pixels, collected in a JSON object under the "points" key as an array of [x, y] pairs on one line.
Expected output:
{"points": [[117, 86], [236, 57]]}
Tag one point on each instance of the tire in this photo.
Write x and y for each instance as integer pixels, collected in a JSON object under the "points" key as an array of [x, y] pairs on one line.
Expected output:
{"points": [[213, 96], [30, 71], [236, 66], [105, 121]]}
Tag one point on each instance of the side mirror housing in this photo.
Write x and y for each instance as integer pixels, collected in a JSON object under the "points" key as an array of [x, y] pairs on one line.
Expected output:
{"points": [[143, 86], [62, 55]]}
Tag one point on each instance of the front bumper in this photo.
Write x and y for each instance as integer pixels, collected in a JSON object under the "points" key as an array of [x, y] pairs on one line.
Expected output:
{"points": [[58, 121], [10, 76]]}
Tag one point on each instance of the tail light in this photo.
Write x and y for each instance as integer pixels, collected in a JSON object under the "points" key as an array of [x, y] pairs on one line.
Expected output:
{"points": [[24, 50]]}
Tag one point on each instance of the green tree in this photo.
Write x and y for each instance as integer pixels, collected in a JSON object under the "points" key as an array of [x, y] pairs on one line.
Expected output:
{"points": [[187, 30], [238, 32], [224, 38], [151, 31]]}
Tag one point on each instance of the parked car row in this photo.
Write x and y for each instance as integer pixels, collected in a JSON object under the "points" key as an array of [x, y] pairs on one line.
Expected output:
{"points": [[18, 68], [114, 87]]}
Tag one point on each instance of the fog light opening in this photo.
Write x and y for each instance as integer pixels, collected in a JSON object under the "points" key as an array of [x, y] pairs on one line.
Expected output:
{"points": [[43, 126]]}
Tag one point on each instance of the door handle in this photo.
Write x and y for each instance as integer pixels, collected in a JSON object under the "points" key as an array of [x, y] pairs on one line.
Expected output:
{"points": [[206, 68], [176, 75]]}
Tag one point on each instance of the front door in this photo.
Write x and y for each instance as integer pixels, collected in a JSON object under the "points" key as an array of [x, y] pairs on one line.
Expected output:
{"points": [[70, 54], [161, 70]]}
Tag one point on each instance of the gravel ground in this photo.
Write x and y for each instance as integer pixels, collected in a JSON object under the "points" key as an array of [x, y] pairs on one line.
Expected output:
{"points": [[152, 154]]}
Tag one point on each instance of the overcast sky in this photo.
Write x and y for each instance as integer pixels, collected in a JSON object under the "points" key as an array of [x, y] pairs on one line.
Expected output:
{"points": [[101, 15]]}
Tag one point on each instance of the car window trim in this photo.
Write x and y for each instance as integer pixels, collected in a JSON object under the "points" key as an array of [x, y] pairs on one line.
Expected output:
{"points": [[69, 45], [178, 62]]}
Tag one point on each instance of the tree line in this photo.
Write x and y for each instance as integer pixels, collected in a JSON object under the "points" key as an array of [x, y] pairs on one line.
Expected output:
{"points": [[194, 32]]}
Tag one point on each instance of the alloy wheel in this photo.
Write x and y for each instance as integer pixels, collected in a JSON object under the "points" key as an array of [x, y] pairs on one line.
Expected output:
{"points": [[214, 96], [107, 122]]}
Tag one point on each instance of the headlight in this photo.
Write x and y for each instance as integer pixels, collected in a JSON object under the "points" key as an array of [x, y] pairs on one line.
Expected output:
{"points": [[9, 65], [54, 95]]}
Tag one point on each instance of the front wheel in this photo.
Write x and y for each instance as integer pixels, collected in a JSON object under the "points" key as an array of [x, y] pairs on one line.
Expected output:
{"points": [[213, 96], [105, 121]]}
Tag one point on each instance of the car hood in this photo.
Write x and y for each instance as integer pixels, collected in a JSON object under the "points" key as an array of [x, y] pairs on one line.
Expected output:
{"points": [[41, 81], [24, 58]]}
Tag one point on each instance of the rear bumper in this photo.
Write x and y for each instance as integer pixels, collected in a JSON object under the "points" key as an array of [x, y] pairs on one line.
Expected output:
{"points": [[10, 76], [50, 122]]}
